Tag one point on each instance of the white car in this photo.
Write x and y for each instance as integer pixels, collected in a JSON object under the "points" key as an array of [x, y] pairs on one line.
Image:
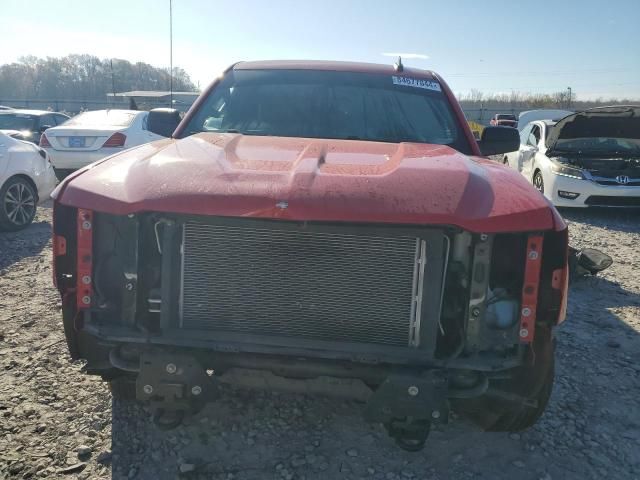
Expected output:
{"points": [[26, 179], [589, 158], [94, 135]]}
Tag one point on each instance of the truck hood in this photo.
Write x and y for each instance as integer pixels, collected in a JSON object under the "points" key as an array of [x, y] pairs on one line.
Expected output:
{"points": [[621, 121], [311, 180]]}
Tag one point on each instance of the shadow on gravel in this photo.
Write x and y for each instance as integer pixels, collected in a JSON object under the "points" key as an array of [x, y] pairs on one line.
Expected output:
{"points": [[598, 302], [623, 220], [14, 246]]}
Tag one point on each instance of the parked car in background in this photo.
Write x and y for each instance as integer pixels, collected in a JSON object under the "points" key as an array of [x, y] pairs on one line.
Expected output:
{"points": [[324, 227], [504, 120], [29, 125], [94, 135], [589, 158], [26, 178], [525, 118]]}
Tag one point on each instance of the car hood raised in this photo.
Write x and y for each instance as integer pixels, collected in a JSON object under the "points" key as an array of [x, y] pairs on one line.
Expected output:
{"points": [[621, 121], [14, 134], [311, 180]]}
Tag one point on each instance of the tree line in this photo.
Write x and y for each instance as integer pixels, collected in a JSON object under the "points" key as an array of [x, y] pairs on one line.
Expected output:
{"points": [[518, 101], [84, 77]]}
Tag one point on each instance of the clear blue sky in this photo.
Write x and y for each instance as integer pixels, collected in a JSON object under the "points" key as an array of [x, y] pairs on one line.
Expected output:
{"points": [[494, 46]]}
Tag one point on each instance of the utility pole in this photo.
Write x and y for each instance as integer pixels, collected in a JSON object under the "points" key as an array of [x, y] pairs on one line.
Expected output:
{"points": [[569, 98], [113, 82], [171, 53]]}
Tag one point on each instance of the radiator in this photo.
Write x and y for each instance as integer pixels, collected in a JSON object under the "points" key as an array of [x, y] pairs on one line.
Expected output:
{"points": [[292, 282]]}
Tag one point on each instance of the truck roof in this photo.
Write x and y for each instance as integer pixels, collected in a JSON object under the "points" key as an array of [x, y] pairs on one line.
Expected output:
{"points": [[360, 67]]}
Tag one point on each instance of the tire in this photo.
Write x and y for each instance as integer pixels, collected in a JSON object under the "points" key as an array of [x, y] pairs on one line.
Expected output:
{"points": [[18, 200], [534, 383], [523, 416], [538, 181]]}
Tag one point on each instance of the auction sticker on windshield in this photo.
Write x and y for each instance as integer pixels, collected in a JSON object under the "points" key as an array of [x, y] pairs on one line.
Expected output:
{"points": [[416, 83]]}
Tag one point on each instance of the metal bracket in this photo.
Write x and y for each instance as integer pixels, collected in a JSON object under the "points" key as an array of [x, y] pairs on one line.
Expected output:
{"points": [[416, 396], [173, 382], [417, 291], [162, 221], [532, 270], [478, 291]]}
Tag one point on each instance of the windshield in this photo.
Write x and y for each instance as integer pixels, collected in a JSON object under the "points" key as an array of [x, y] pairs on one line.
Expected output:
{"points": [[103, 118], [506, 117], [599, 146], [17, 121], [328, 104]]}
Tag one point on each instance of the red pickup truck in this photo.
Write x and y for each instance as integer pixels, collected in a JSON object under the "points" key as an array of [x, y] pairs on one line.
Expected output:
{"points": [[324, 227]]}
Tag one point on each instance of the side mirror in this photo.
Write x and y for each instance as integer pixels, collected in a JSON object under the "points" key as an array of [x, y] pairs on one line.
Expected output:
{"points": [[163, 121], [497, 140]]}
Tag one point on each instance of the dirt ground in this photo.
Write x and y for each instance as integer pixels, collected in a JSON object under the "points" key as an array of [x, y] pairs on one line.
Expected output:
{"points": [[56, 422]]}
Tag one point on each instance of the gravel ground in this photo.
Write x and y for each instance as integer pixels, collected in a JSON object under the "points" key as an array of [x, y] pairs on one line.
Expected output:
{"points": [[56, 422]]}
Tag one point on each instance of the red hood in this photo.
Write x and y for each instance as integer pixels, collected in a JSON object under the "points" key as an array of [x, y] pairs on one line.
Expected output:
{"points": [[311, 179]]}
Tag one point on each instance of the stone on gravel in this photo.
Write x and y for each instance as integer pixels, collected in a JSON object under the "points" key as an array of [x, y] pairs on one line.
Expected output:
{"points": [[73, 468], [298, 462], [352, 452], [186, 467], [83, 450]]}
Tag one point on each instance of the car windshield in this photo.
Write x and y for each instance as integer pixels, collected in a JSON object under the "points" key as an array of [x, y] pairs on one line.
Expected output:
{"points": [[102, 118], [506, 117], [17, 121], [599, 146], [329, 104]]}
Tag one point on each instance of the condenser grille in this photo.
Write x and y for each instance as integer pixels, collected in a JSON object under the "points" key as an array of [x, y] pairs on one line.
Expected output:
{"points": [[297, 283]]}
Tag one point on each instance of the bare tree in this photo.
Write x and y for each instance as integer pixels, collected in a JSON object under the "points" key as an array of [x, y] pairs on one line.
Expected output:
{"points": [[82, 77]]}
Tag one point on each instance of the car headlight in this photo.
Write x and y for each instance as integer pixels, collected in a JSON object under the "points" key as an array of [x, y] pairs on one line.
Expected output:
{"points": [[566, 171]]}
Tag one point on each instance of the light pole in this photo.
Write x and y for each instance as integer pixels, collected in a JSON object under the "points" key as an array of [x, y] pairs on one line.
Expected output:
{"points": [[569, 99], [171, 53], [113, 82]]}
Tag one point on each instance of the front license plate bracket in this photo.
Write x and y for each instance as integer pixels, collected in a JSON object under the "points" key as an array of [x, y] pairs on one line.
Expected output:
{"points": [[419, 396]]}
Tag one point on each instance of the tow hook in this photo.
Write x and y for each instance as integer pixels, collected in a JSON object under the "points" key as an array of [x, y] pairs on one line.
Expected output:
{"points": [[174, 385], [410, 434], [407, 404]]}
